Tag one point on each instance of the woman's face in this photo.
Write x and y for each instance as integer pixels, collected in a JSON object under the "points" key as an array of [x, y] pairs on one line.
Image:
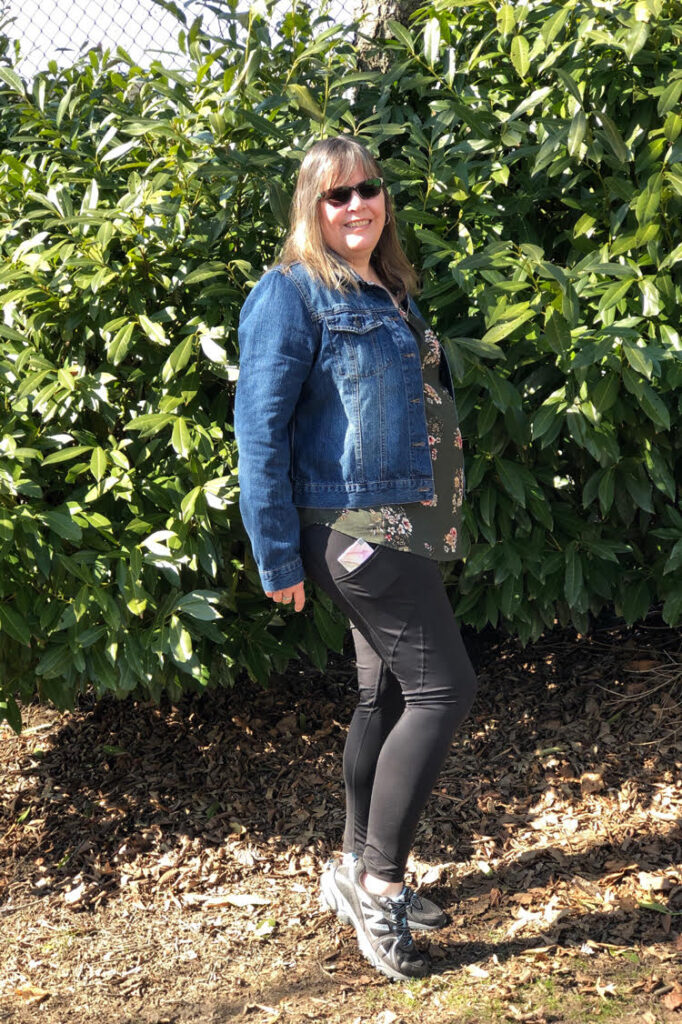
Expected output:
{"points": [[354, 229]]}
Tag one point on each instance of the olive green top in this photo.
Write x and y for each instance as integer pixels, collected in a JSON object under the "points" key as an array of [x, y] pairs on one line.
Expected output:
{"points": [[429, 528]]}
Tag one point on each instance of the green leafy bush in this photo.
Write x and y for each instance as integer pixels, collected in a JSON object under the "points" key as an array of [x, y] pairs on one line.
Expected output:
{"points": [[136, 210], [538, 158], [534, 151]]}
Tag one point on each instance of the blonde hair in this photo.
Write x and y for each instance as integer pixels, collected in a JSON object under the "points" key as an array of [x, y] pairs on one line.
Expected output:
{"points": [[325, 163]]}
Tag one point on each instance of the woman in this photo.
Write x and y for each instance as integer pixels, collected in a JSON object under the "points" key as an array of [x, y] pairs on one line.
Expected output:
{"points": [[350, 467]]}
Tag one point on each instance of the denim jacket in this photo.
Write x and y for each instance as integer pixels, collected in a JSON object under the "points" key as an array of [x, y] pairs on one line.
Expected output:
{"points": [[329, 410]]}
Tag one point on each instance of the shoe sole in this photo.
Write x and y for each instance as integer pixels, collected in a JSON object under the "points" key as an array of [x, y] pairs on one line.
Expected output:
{"points": [[328, 898], [329, 902], [344, 911]]}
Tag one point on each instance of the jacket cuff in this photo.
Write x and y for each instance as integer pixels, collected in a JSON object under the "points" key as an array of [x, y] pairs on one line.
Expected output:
{"points": [[286, 576]]}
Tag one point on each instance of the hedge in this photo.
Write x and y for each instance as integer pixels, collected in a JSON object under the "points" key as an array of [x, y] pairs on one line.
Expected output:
{"points": [[534, 153]]}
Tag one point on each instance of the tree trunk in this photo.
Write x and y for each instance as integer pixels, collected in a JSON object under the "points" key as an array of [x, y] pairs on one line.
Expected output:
{"points": [[378, 13], [375, 16]]}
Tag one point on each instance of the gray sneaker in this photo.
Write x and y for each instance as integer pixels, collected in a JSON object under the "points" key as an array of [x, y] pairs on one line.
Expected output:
{"points": [[380, 924], [422, 915]]}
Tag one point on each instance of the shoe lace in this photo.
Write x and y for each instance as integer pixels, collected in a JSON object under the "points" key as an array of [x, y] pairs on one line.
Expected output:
{"points": [[398, 912], [411, 899]]}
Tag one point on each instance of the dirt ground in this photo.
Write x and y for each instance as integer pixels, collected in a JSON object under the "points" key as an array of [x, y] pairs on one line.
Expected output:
{"points": [[159, 865]]}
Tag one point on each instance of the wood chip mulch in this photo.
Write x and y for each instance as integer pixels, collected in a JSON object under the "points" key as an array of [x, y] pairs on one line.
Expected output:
{"points": [[160, 864]]}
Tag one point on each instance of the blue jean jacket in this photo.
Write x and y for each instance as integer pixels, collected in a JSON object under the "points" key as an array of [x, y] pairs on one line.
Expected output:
{"points": [[329, 410]]}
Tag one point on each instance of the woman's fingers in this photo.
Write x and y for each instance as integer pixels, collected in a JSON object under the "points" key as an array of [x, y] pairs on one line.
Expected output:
{"points": [[289, 594]]}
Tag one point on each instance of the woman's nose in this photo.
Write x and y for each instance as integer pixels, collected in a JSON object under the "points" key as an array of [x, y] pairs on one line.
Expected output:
{"points": [[355, 201]]}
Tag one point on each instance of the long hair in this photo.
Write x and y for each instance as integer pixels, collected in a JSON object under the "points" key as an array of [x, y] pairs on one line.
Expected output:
{"points": [[325, 163]]}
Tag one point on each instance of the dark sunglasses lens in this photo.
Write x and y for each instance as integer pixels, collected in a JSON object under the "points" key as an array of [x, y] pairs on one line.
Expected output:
{"points": [[368, 189], [339, 196]]}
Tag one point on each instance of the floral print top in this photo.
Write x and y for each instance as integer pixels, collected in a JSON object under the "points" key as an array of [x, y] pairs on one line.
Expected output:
{"points": [[429, 528]]}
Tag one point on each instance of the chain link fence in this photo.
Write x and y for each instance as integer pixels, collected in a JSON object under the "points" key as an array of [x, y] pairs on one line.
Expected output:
{"points": [[58, 30]]}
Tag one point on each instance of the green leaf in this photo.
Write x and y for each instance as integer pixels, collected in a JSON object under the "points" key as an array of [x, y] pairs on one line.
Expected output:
{"points": [[672, 609], [399, 31], [153, 330], [520, 55], [150, 423], [63, 525], [506, 21], [199, 605], [557, 333], [332, 630], [636, 602], [573, 581], [613, 294], [570, 84], [9, 711], [279, 203], [660, 472], [56, 660], [65, 454], [189, 503], [607, 490], [13, 623], [98, 463], [206, 272], [479, 346], [613, 137], [11, 78], [178, 359], [606, 391], [576, 133], [638, 359], [636, 39], [181, 438], [537, 96], [119, 151], [302, 95], [507, 327], [117, 349], [670, 97], [432, 40], [673, 562], [6, 527], [180, 641], [511, 480], [654, 407], [551, 27]]}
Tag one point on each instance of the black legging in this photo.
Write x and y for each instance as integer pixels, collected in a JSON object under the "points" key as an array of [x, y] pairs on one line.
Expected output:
{"points": [[416, 686]]}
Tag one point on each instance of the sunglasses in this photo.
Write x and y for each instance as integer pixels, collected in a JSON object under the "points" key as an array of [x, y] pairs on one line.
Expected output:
{"points": [[368, 189]]}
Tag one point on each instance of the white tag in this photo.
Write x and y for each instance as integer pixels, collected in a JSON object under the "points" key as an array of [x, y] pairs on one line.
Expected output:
{"points": [[358, 552]]}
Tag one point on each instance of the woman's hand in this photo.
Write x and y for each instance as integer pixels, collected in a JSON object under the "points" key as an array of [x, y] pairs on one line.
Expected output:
{"points": [[295, 593]]}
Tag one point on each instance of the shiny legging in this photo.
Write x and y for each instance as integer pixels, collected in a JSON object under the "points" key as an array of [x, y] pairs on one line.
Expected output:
{"points": [[416, 686]]}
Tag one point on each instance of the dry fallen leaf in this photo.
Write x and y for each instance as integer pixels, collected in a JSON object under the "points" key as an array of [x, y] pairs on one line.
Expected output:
{"points": [[75, 895], [604, 990], [31, 994], [654, 883], [673, 1000], [236, 900], [386, 1017], [591, 782], [477, 972]]}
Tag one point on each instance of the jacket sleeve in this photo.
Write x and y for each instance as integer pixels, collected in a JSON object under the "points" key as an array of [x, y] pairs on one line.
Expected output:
{"points": [[277, 341]]}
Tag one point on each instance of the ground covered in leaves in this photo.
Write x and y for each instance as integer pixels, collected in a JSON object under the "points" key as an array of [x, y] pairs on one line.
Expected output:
{"points": [[160, 865]]}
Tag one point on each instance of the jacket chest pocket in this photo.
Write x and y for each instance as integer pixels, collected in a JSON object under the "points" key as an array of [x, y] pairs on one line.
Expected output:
{"points": [[361, 344]]}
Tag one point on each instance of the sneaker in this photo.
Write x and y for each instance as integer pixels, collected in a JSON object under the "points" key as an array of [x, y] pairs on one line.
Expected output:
{"points": [[422, 915], [380, 924]]}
